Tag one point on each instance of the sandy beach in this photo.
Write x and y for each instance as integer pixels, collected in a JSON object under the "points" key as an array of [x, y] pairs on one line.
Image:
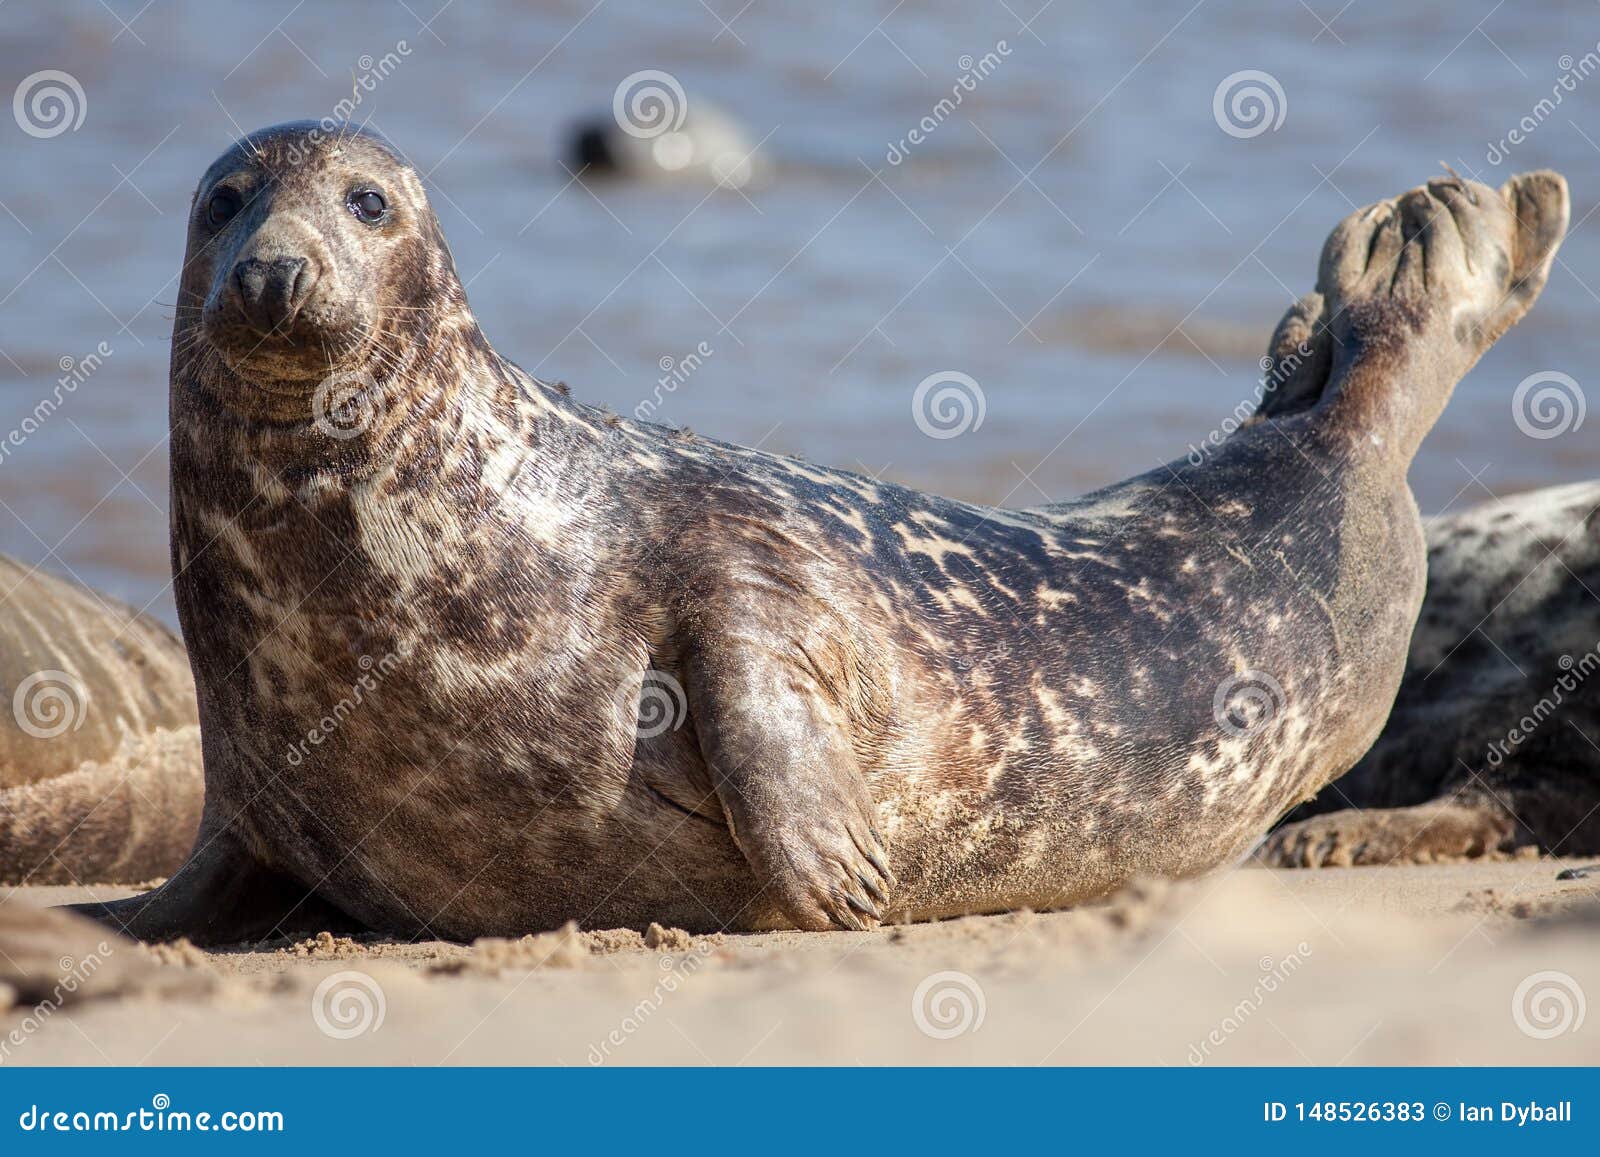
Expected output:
{"points": [[1463, 963]]}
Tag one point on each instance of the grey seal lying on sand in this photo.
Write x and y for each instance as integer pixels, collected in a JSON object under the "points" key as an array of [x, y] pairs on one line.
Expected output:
{"points": [[879, 703], [100, 775], [1492, 744]]}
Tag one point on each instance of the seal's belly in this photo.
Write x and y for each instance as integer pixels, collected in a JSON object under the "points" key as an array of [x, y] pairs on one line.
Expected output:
{"points": [[1106, 749], [410, 814], [1093, 755]]}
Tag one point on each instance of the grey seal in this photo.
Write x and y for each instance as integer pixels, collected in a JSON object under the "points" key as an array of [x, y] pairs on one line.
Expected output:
{"points": [[474, 658], [679, 142], [1494, 740], [100, 773]]}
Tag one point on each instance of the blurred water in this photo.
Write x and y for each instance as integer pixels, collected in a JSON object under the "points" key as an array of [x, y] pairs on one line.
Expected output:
{"points": [[1079, 205]]}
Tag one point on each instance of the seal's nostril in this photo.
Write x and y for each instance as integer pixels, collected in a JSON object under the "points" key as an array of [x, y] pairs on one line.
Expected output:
{"points": [[272, 292], [303, 282], [250, 278]]}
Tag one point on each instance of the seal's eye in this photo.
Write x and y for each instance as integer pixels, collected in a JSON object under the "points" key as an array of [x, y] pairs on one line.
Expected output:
{"points": [[222, 207], [368, 205]]}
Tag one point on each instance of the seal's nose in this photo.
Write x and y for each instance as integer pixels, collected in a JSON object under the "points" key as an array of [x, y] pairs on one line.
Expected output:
{"points": [[272, 292]]}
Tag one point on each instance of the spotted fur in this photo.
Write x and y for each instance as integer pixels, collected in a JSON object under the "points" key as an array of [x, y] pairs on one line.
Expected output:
{"points": [[1492, 743]]}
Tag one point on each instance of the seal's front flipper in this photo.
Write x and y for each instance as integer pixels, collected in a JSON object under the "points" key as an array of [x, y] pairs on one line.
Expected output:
{"points": [[791, 789], [222, 895]]}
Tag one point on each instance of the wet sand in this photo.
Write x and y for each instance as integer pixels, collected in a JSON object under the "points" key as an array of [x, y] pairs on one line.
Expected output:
{"points": [[1464, 963]]}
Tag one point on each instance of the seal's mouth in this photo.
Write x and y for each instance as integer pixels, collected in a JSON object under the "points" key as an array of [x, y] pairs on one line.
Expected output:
{"points": [[279, 313], [304, 348]]}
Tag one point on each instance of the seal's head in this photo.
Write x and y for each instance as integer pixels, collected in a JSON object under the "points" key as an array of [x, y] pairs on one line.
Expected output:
{"points": [[312, 252]]}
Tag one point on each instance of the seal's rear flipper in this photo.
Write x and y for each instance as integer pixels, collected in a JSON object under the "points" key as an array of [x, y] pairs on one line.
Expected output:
{"points": [[222, 895], [1452, 249]]}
